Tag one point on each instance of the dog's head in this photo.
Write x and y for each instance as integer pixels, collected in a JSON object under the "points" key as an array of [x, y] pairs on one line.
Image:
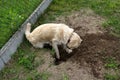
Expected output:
{"points": [[75, 41]]}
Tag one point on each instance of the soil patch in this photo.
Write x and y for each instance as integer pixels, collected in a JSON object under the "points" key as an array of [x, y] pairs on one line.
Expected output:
{"points": [[84, 22], [86, 62], [94, 50]]}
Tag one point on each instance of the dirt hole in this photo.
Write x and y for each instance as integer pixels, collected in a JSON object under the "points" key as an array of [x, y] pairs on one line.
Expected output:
{"points": [[87, 61]]}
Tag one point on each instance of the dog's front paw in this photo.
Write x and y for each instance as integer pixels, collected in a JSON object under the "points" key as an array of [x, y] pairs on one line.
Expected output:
{"points": [[58, 57], [69, 50]]}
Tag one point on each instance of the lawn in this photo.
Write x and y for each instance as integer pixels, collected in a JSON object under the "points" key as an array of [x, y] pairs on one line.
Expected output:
{"points": [[108, 9], [12, 14], [24, 59]]}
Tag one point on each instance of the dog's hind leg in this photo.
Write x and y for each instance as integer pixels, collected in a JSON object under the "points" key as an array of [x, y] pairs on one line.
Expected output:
{"points": [[54, 45]]}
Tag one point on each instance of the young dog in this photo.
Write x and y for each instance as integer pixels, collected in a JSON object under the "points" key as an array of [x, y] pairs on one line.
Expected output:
{"points": [[54, 34]]}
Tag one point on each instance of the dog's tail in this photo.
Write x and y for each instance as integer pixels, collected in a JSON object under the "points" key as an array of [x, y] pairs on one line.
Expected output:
{"points": [[27, 31]]}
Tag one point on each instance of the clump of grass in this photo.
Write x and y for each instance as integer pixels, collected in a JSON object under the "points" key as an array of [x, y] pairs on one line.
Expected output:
{"points": [[65, 77], [27, 62], [34, 75], [26, 58], [111, 77], [44, 75], [38, 76], [52, 52], [111, 63], [11, 72]]}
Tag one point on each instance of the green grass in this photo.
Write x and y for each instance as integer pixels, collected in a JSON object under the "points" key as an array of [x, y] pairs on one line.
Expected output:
{"points": [[65, 77], [24, 64], [12, 14], [111, 63], [45, 75], [109, 9], [26, 61], [111, 77], [38, 76]]}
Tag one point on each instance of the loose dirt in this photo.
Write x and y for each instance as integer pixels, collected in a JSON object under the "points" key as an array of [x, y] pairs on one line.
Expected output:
{"points": [[86, 62]]}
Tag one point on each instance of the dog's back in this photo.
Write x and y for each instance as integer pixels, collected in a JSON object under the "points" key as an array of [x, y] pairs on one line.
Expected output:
{"points": [[47, 32]]}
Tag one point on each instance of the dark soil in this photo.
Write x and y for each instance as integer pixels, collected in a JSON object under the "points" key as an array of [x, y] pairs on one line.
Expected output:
{"points": [[97, 45], [87, 62], [92, 52], [95, 49]]}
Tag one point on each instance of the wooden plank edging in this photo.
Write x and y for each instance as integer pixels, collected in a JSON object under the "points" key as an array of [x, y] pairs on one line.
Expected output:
{"points": [[11, 46]]}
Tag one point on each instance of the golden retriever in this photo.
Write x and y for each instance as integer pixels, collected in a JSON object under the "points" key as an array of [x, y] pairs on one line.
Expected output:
{"points": [[54, 34]]}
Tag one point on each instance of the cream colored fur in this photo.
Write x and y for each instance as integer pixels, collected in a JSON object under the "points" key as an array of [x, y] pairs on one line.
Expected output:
{"points": [[54, 34]]}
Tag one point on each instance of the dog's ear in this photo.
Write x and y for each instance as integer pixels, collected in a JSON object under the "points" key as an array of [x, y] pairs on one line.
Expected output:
{"points": [[67, 34]]}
